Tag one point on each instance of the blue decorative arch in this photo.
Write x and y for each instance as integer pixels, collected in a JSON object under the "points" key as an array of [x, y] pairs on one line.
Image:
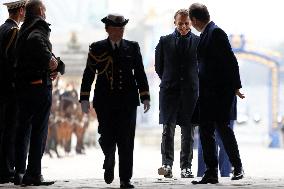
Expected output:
{"points": [[238, 46]]}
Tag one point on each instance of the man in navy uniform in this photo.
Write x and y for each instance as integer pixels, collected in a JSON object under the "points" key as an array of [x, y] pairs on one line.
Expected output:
{"points": [[36, 68], [176, 66], [120, 80], [8, 105], [219, 83]]}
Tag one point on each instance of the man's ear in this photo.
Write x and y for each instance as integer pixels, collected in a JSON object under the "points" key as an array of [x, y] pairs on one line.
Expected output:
{"points": [[21, 13], [22, 10], [40, 10]]}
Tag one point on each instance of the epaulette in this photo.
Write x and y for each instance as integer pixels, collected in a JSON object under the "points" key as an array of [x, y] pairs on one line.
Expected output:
{"points": [[15, 31]]}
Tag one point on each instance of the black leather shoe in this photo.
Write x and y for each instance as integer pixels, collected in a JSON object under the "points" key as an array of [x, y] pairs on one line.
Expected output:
{"points": [[18, 178], [109, 175], [4, 179], [38, 180], [238, 174], [126, 184], [207, 179]]}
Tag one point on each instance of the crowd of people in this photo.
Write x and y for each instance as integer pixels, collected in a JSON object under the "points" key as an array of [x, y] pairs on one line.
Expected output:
{"points": [[200, 82], [66, 119]]}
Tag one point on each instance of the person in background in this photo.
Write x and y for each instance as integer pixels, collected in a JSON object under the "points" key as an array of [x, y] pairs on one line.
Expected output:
{"points": [[8, 102], [120, 80], [176, 66]]}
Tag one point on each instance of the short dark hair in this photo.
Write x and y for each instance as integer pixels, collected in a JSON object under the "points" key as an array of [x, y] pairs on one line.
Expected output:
{"points": [[199, 11], [183, 12], [32, 7]]}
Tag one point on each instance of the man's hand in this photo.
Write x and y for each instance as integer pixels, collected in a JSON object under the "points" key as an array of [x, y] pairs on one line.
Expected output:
{"points": [[53, 63], [53, 75], [146, 105], [85, 106], [239, 94]]}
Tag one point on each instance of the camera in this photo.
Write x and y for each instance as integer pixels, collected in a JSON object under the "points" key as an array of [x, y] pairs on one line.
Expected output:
{"points": [[61, 66]]}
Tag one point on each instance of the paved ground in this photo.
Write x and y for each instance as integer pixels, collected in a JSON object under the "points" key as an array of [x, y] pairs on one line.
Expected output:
{"points": [[153, 183], [85, 171], [263, 167]]}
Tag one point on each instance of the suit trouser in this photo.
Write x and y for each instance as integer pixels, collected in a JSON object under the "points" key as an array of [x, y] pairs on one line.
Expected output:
{"points": [[207, 137], [117, 128], [34, 110], [167, 145], [8, 137], [225, 166]]}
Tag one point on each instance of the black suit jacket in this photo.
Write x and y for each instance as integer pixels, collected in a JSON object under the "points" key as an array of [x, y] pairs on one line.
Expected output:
{"points": [[218, 74], [176, 65], [120, 75]]}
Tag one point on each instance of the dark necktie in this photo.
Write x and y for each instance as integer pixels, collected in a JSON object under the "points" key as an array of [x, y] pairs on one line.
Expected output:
{"points": [[201, 37], [115, 50], [115, 47]]}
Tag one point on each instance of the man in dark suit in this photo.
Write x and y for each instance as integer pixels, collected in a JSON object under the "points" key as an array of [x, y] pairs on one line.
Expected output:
{"points": [[8, 105], [120, 80], [219, 82], [176, 65], [36, 68]]}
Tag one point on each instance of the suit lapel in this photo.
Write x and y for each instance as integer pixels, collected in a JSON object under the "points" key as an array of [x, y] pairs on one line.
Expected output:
{"points": [[204, 37], [108, 46], [123, 46]]}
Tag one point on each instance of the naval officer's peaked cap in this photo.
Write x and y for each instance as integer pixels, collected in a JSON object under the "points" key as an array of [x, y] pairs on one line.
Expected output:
{"points": [[15, 4], [116, 20]]}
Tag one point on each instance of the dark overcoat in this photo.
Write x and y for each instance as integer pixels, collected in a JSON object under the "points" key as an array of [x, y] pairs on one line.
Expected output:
{"points": [[34, 93], [218, 75], [34, 51], [176, 65]]}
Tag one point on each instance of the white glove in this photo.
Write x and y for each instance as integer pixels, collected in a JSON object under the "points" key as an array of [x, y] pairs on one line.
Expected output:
{"points": [[146, 105], [85, 106]]}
